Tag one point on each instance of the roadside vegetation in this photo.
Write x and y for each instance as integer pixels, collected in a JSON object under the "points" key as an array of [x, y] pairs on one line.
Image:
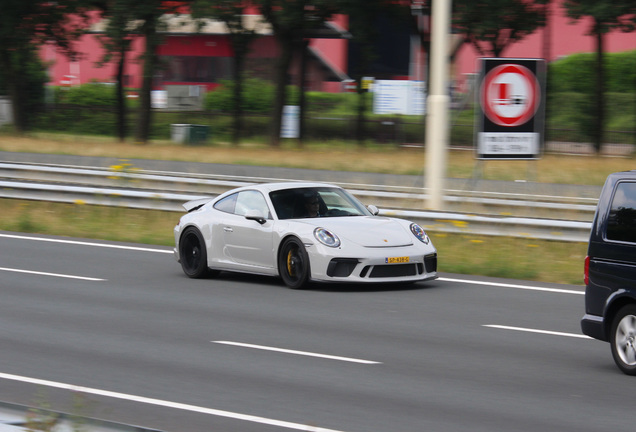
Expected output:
{"points": [[89, 109], [333, 155]]}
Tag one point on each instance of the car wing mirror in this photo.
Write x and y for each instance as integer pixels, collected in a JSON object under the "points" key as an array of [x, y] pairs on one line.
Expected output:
{"points": [[374, 210], [255, 215]]}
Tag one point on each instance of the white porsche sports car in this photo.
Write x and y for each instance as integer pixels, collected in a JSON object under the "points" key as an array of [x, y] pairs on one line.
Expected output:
{"points": [[301, 232]]}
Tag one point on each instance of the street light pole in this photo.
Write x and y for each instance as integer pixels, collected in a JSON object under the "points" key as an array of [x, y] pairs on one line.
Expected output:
{"points": [[438, 101]]}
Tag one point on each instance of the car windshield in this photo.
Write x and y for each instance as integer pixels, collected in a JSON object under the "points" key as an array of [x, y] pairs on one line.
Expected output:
{"points": [[301, 203]]}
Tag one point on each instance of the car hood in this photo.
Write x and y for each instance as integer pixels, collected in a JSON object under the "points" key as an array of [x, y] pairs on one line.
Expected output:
{"points": [[367, 231]]}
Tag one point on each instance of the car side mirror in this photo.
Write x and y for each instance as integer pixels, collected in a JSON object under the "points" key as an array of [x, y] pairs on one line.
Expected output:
{"points": [[374, 210], [255, 215]]}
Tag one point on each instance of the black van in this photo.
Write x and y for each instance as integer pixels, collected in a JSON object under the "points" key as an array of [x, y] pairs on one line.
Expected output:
{"points": [[610, 271]]}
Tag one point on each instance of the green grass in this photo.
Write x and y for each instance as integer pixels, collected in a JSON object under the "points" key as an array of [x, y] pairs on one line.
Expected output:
{"points": [[329, 155]]}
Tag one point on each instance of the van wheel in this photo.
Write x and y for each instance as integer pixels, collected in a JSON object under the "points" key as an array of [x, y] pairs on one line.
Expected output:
{"points": [[623, 339]]}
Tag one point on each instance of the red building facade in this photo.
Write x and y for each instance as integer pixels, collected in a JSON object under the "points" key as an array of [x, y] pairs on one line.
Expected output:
{"points": [[193, 58], [190, 57]]}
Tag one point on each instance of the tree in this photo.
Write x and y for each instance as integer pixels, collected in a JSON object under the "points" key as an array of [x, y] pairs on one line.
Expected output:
{"points": [[127, 20], [241, 37], [24, 26], [34, 77], [147, 12], [497, 23], [290, 21], [606, 15], [116, 41], [363, 17]]}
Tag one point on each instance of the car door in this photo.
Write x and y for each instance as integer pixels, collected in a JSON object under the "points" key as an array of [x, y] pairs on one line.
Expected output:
{"points": [[249, 242]]}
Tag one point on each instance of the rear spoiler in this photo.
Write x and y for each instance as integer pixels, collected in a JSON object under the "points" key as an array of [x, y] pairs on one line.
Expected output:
{"points": [[196, 204]]}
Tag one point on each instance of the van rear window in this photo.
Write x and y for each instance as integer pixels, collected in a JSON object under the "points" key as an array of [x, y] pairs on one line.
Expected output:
{"points": [[621, 223]]}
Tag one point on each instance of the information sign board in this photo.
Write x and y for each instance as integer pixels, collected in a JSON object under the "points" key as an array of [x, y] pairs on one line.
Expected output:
{"points": [[399, 97], [511, 101]]}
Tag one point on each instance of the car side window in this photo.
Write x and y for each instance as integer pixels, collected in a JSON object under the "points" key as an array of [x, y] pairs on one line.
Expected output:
{"points": [[227, 204], [621, 222], [251, 200]]}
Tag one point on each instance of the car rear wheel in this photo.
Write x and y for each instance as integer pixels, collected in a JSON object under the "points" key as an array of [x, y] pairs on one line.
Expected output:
{"points": [[293, 263], [194, 259], [623, 339]]}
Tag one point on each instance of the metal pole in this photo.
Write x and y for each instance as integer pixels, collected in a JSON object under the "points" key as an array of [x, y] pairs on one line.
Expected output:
{"points": [[438, 101]]}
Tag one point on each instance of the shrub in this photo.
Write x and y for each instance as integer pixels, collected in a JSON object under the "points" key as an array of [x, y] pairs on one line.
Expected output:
{"points": [[576, 73], [91, 94], [257, 97]]}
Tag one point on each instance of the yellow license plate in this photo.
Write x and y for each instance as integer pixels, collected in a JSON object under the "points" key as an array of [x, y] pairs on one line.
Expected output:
{"points": [[396, 260]]}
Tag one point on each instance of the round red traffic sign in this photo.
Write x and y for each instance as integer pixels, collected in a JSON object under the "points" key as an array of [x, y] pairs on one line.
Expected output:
{"points": [[510, 95]]}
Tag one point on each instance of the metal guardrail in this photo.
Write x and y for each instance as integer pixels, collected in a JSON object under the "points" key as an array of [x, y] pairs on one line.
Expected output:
{"points": [[23, 418], [168, 191]]}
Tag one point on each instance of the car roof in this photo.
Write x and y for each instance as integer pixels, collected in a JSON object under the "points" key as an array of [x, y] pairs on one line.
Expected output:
{"points": [[613, 178], [270, 187]]}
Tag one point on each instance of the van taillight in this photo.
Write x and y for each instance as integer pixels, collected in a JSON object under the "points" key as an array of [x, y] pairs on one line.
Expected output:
{"points": [[586, 275]]}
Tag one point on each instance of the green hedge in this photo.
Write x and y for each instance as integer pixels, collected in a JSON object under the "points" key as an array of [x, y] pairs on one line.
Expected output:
{"points": [[90, 94], [576, 73], [258, 98], [88, 109]]}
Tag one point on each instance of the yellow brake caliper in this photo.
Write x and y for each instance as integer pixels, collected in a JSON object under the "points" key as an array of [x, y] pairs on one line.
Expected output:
{"points": [[290, 268]]}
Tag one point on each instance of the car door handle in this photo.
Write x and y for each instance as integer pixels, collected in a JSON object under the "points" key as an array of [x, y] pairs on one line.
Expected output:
{"points": [[228, 229]]}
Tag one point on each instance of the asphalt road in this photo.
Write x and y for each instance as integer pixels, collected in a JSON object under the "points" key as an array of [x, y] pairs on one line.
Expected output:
{"points": [[123, 335]]}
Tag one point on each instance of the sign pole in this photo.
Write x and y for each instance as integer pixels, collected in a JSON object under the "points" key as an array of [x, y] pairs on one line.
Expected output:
{"points": [[438, 102]]}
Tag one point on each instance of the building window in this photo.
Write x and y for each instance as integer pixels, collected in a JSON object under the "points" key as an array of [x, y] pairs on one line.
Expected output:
{"points": [[195, 69]]}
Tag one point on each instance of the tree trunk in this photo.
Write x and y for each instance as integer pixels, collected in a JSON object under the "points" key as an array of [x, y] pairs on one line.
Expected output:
{"points": [[145, 109], [600, 91], [362, 107], [238, 92], [304, 46], [121, 97], [286, 45]]}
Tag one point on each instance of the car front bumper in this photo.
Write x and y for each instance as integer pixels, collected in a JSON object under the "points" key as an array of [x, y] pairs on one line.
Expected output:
{"points": [[373, 265]]}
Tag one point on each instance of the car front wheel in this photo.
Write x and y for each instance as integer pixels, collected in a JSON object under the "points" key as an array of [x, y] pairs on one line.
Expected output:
{"points": [[293, 263], [194, 259], [623, 339]]}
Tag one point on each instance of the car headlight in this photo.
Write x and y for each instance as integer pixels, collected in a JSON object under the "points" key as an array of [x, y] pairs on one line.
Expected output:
{"points": [[419, 232], [326, 237]]}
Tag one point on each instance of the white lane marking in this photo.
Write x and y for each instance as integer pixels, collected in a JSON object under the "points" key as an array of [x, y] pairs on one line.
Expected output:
{"points": [[507, 285], [82, 243], [167, 404], [303, 353], [51, 274], [553, 333]]}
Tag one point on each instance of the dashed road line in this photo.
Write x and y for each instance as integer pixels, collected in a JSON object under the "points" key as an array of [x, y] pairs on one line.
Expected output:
{"points": [[528, 330], [302, 353], [67, 276]]}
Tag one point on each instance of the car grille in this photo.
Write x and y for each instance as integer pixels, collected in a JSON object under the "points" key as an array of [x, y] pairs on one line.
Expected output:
{"points": [[341, 267], [394, 270], [430, 263], [344, 267]]}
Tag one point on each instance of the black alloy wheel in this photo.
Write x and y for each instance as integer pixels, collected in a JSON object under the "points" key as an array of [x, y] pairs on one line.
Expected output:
{"points": [[293, 263], [194, 259]]}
